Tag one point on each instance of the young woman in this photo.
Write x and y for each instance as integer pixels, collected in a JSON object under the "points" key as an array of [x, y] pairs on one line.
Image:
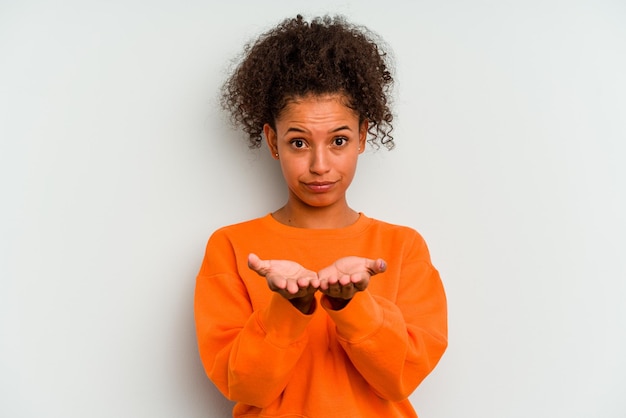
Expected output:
{"points": [[290, 320]]}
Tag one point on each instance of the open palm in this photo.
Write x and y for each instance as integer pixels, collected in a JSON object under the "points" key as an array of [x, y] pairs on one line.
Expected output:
{"points": [[286, 277], [348, 275]]}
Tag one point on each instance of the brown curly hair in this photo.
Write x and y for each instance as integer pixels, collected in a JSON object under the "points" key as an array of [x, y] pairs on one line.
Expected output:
{"points": [[298, 58]]}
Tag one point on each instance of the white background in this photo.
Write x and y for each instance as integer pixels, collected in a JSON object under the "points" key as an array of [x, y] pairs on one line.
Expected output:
{"points": [[116, 165]]}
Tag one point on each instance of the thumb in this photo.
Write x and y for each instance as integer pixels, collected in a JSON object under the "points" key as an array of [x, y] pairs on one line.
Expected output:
{"points": [[377, 266], [256, 264]]}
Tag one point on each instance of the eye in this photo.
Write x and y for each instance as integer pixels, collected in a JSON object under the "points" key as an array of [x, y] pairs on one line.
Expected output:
{"points": [[340, 141], [297, 143]]}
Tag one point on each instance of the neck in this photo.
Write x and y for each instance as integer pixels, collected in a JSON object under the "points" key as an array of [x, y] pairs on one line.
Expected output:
{"points": [[310, 217]]}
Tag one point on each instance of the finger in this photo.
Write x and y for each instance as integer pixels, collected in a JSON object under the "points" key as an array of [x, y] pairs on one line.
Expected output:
{"points": [[315, 282], [254, 261], [345, 279], [261, 267], [331, 290], [292, 287], [332, 280], [376, 266], [326, 283], [360, 286], [347, 291], [277, 284], [309, 280], [338, 291]]}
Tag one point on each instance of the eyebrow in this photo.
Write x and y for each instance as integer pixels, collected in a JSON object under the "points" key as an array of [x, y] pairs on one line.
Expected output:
{"points": [[340, 128]]}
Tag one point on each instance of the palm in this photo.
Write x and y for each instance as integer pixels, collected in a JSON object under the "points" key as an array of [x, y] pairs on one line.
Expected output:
{"points": [[286, 277], [348, 275]]}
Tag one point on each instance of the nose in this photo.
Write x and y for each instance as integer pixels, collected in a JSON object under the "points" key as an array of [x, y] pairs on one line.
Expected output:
{"points": [[320, 161]]}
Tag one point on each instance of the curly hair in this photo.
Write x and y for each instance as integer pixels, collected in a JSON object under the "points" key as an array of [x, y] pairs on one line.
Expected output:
{"points": [[297, 58]]}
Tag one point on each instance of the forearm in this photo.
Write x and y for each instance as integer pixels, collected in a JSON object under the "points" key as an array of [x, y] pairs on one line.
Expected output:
{"points": [[265, 354], [391, 354], [250, 356]]}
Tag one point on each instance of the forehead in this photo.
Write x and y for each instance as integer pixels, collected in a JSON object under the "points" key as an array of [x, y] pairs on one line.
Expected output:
{"points": [[333, 106]]}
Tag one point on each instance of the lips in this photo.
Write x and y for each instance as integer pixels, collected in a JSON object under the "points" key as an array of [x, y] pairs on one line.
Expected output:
{"points": [[319, 186]]}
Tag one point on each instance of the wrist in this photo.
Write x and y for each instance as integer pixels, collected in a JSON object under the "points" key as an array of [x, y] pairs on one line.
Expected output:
{"points": [[305, 304], [336, 304]]}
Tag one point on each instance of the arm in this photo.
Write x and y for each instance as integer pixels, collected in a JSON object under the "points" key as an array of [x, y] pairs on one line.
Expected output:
{"points": [[249, 354], [396, 345]]}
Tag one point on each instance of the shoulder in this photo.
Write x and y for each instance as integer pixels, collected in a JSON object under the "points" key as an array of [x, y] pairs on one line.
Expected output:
{"points": [[244, 227], [238, 232], [398, 236], [394, 229]]}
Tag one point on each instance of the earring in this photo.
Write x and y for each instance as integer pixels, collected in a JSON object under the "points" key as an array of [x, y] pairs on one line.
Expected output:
{"points": [[276, 155]]}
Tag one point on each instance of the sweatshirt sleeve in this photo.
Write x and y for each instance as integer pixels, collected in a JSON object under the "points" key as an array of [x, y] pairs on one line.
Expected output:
{"points": [[249, 355], [394, 346]]}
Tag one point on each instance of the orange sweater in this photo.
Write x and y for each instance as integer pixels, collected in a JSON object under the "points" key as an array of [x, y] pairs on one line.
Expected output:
{"points": [[361, 361]]}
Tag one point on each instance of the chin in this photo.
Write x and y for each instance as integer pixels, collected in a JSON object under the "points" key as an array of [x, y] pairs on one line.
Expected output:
{"points": [[319, 200], [320, 203]]}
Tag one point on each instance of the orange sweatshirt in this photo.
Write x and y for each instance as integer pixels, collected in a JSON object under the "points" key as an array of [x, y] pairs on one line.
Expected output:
{"points": [[361, 361]]}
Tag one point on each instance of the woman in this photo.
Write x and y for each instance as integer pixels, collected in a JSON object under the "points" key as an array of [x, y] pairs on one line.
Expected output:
{"points": [[290, 318]]}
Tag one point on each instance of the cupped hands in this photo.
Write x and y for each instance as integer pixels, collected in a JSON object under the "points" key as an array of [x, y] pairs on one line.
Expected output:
{"points": [[340, 281]]}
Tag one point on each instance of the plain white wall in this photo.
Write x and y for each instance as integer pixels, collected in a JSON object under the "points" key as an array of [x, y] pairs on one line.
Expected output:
{"points": [[116, 165]]}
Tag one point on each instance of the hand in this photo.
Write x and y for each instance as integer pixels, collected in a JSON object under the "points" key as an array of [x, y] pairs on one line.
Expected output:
{"points": [[285, 277], [349, 275]]}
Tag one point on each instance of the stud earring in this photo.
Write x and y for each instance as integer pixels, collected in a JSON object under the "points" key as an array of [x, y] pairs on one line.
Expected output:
{"points": [[276, 155]]}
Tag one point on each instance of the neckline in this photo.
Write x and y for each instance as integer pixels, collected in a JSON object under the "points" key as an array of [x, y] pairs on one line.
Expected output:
{"points": [[358, 226]]}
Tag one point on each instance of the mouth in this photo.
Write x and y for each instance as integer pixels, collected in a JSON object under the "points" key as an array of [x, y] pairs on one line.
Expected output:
{"points": [[319, 186]]}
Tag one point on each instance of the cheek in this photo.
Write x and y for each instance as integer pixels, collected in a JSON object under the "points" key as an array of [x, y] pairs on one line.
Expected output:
{"points": [[291, 169], [350, 165]]}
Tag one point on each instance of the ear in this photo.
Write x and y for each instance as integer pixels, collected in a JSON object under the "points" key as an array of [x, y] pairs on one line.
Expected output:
{"points": [[272, 140], [363, 135]]}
